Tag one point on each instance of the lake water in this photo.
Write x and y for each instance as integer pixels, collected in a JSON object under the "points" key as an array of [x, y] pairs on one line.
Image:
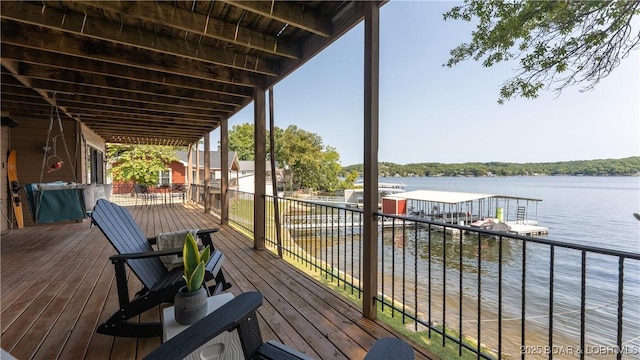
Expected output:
{"points": [[593, 211], [427, 277], [586, 210]]}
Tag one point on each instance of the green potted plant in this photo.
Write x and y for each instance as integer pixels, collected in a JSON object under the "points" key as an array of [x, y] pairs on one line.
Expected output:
{"points": [[190, 302]]}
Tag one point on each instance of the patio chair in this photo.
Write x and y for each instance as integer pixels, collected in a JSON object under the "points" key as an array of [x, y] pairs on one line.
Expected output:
{"points": [[143, 192], [240, 314], [159, 284]]}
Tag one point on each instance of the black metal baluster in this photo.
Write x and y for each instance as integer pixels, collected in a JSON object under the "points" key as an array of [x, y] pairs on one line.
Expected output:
{"points": [[620, 307], [404, 271], [415, 273], [429, 274], [382, 268], [552, 256], [393, 262], [444, 284], [460, 271], [333, 238], [479, 340], [346, 254], [353, 249], [583, 301], [360, 252], [523, 296], [500, 239]]}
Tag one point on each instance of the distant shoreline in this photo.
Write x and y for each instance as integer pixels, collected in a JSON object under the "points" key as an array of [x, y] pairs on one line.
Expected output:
{"points": [[541, 175], [629, 166]]}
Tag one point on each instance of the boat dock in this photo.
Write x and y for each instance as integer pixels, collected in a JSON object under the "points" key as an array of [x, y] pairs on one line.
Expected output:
{"points": [[486, 211]]}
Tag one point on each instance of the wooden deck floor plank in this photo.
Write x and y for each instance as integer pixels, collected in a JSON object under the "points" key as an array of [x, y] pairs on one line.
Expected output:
{"points": [[297, 310], [69, 318], [316, 313], [14, 272], [288, 304], [273, 325], [100, 346], [38, 289], [83, 332], [361, 330], [41, 315]]}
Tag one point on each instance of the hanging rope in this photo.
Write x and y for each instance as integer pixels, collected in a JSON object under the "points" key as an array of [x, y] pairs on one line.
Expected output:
{"points": [[54, 162]]}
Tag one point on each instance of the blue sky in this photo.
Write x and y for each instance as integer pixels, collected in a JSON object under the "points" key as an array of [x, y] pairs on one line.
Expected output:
{"points": [[430, 113]]}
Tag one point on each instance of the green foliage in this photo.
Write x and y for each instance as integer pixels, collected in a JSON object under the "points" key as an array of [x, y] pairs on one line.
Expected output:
{"points": [[558, 43], [241, 141], [603, 167], [139, 163], [308, 163], [194, 262]]}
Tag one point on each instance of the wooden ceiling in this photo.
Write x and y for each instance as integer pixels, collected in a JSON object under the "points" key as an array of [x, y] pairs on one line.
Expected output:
{"points": [[156, 72]]}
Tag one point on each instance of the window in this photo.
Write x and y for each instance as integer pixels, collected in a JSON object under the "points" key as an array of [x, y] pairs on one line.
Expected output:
{"points": [[165, 178], [95, 159]]}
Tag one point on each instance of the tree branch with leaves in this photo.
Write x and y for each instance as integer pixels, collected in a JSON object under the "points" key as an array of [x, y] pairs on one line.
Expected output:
{"points": [[557, 43]]}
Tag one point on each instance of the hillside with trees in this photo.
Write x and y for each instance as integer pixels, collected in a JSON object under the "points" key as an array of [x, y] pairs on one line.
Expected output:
{"points": [[602, 167], [306, 162]]}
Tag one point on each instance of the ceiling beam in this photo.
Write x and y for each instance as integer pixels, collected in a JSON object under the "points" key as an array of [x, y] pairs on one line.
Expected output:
{"points": [[291, 13], [97, 116], [152, 140], [32, 37], [67, 62], [111, 32], [345, 20], [12, 67], [131, 108], [120, 84], [171, 16], [94, 93], [157, 130]]}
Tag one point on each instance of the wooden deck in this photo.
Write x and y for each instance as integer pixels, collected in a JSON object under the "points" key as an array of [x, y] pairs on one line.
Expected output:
{"points": [[58, 285]]}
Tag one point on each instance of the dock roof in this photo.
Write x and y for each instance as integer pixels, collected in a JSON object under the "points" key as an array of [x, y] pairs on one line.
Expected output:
{"points": [[450, 197]]}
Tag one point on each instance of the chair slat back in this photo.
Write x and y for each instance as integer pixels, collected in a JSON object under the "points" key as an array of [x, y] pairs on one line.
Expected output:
{"points": [[122, 231]]}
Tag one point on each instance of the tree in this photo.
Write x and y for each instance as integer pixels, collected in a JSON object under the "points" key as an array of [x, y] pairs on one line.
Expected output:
{"points": [[241, 141], [308, 164], [558, 43], [140, 163]]}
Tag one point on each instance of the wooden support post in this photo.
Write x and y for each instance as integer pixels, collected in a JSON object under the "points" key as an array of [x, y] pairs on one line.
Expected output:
{"points": [[274, 183], [260, 140], [370, 177], [188, 179], [197, 177], [207, 173], [224, 171]]}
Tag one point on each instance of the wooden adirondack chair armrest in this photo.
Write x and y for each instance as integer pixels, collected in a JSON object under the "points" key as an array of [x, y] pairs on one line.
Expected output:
{"points": [[207, 231], [237, 312], [204, 234], [146, 254], [215, 262]]}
